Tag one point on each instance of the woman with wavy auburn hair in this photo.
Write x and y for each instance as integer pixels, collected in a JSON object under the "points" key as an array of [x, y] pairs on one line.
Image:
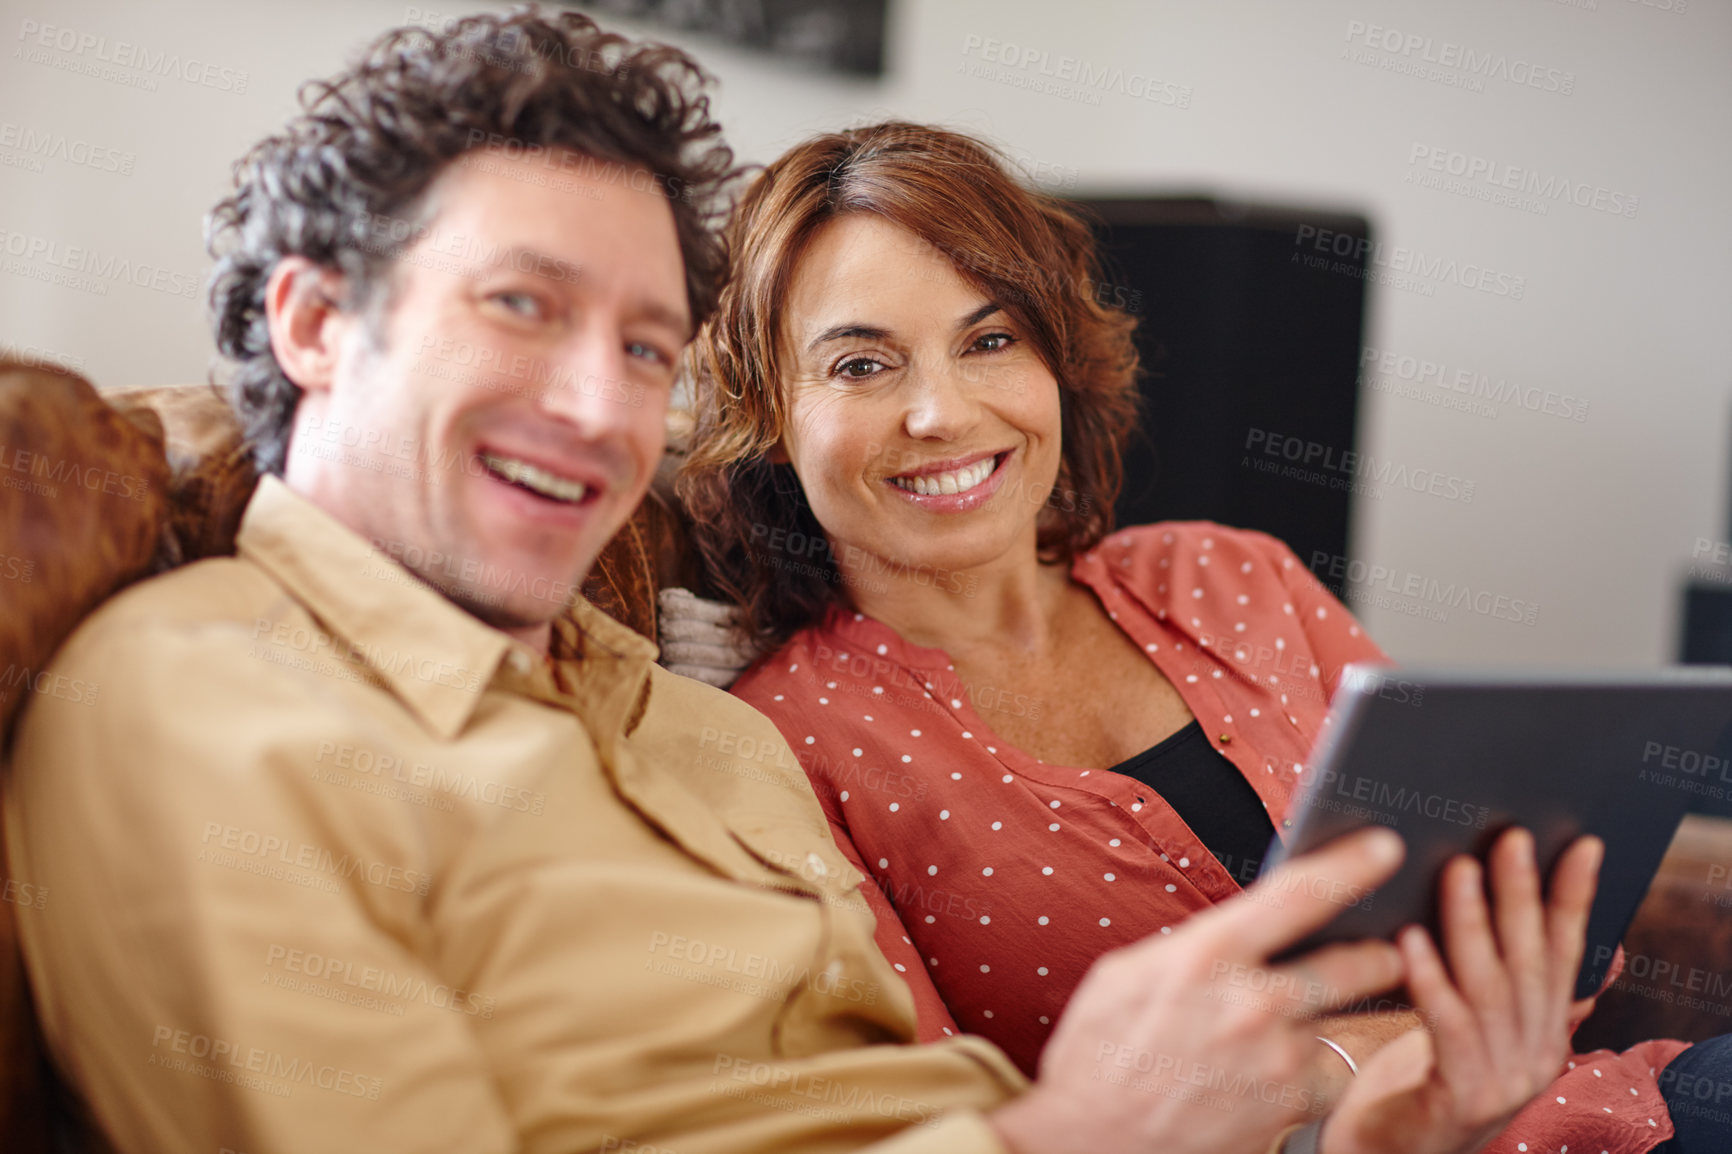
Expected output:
{"points": [[1040, 738]]}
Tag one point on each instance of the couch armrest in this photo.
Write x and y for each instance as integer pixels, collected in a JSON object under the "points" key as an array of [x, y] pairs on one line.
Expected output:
{"points": [[1677, 979]]}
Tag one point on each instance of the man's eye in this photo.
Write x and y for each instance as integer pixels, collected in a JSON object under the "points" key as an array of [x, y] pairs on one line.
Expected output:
{"points": [[519, 303]]}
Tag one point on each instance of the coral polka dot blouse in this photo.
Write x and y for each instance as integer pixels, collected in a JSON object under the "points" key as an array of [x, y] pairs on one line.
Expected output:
{"points": [[1011, 875], [1000, 878]]}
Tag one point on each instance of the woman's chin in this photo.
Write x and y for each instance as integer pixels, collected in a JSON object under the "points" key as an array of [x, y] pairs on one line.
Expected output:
{"points": [[947, 549]]}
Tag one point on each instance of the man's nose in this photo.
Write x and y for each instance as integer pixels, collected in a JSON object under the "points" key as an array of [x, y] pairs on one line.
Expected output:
{"points": [[589, 385]]}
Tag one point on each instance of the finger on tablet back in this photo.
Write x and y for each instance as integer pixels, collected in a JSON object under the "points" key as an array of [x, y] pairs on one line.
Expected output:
{"points": [[1573, 885], [1307, 892]]}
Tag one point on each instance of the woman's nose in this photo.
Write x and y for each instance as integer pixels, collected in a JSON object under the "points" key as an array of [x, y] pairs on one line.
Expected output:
{"points": [[942, 404]]}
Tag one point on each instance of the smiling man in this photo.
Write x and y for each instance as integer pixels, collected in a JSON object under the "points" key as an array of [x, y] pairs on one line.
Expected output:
{"points": [[382, 840], [573, 295]]}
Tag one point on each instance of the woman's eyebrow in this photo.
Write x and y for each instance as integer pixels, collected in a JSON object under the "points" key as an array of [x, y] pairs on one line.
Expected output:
{"points": [[978, 314], [848, 329], [859, 329]]}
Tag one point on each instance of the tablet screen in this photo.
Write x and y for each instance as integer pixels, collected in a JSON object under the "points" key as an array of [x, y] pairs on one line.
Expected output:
{"points": [[1450, 759]]}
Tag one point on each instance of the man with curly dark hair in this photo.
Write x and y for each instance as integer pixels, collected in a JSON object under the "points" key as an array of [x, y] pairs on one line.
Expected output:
{"points": [[382, 839], [346, 186]]}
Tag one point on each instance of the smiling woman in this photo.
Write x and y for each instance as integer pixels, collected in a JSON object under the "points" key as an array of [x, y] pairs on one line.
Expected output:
{"points": [[935, 208], [993, 697], [1039, 738]]}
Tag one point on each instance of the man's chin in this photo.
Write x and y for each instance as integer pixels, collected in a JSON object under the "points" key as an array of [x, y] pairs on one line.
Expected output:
{"points": [[518, 603], [506, 615]]}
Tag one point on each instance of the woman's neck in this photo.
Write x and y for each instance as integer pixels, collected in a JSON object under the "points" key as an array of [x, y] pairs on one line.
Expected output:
{"points": [[1011, 602]]}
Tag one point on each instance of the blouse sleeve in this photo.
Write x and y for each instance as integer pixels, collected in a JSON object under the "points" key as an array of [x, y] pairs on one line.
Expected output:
{"points": [[932, 1019], [1335, 637]]}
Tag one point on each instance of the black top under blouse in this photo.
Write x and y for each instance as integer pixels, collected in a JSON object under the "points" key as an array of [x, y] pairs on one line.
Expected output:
{"points": [[1210, 795]]}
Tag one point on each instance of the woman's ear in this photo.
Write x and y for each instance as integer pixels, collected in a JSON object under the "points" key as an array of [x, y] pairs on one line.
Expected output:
{"points": [[304, 313]]}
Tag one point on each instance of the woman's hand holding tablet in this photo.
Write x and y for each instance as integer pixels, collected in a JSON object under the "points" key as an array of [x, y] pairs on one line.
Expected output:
{"points": [[1197, 1042], [1499, 1028]]}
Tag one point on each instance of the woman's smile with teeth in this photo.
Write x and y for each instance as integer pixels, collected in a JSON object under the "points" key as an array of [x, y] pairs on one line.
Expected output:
{"points": [[943, 484]]}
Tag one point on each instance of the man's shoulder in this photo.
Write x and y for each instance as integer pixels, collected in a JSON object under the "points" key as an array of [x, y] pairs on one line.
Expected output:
{"points": [[169, 700], [190, 600], [177, 643], [724, 750], [683, 708]]}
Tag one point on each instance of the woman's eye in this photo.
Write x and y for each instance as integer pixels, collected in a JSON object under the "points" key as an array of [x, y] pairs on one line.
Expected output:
{"points": [[647, 352], [994, 342], [858, 368]]}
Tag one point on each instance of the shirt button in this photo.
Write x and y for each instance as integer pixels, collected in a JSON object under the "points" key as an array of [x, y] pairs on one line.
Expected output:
{"points": [[518, 660], [1226, 738], [1285, 824], [817, 866]]}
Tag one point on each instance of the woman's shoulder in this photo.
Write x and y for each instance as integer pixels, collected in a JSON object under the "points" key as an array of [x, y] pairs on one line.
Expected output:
{"points": [[1233, 590], [1194, 545], [767, 680], [848, 677], [1201, 575], [807, 663]]}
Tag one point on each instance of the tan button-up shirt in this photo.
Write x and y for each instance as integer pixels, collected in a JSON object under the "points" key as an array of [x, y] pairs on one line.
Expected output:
{"points": [[325, 864]]}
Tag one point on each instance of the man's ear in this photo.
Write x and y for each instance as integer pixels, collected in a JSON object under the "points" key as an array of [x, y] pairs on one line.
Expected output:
{"points": [[307, 324]]}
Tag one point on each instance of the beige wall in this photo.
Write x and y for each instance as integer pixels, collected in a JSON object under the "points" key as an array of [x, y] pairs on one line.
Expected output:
{"points": [[1590, 520]]}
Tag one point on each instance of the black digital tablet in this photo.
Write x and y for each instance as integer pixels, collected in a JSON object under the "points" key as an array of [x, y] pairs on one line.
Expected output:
{"points": [[1450, 759]]}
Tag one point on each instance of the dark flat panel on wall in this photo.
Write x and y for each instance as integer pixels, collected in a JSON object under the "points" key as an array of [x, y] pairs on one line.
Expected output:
{"points": [[834, 35], [1250, 338]]}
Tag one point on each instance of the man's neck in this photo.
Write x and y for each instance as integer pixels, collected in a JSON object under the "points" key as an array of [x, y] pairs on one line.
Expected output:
{"points": [[306, 478], [537, 637]]}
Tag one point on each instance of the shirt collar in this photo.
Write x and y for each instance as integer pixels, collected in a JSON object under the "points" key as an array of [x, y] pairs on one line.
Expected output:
{"points": [[432, 655], [605, 664]]}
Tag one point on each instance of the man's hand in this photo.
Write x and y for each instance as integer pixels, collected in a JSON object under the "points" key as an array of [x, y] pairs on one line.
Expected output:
{"points": [[1499, 1031], [1193, 1043]]}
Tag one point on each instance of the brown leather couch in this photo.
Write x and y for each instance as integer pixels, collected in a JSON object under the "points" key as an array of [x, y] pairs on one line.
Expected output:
{"points": [[98, 491]]}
